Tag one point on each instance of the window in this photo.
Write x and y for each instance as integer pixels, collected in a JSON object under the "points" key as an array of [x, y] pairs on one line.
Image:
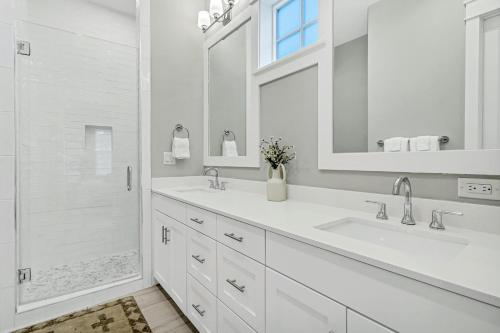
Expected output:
{"points": [[295, 26]]}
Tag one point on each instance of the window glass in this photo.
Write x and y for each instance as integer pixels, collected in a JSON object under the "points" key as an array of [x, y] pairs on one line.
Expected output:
{"points": [[288, 18], [296, 26], [310, 34], [288, 45], [310, 10]]}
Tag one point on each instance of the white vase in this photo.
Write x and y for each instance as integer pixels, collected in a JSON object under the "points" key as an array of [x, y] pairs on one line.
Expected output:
{"points": [[276, 184]]}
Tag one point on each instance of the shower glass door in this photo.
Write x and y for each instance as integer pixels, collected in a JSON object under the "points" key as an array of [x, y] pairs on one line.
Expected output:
{"points": [[77, 114]]}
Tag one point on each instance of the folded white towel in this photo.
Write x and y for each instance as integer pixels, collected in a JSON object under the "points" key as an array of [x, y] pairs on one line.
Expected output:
{"points": [[229, 148], [180, 148], [424, 143], [396, 144]]}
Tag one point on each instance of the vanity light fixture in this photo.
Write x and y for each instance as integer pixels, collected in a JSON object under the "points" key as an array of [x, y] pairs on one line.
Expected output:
{"points": [[218, 13]]}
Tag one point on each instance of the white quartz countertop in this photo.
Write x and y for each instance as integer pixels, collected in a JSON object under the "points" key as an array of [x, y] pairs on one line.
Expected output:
{"points": [[474, 272]]}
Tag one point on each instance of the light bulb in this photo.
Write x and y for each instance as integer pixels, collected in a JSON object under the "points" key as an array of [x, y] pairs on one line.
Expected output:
{"points": [[203, 19], [216, 8]]}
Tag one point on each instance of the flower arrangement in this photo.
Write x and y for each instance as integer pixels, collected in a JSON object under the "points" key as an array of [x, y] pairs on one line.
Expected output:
{"points": [[275, 152]]}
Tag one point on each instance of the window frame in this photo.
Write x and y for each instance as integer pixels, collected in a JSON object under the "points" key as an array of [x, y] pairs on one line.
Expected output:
{"points": [[302, 26]]}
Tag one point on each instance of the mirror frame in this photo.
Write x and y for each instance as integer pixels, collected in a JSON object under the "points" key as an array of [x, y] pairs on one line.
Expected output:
{"points": [[252, 157], [469, 161]]}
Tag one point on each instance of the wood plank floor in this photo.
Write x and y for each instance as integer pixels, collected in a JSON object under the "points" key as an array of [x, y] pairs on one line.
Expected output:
{"points": [[161, 313]]}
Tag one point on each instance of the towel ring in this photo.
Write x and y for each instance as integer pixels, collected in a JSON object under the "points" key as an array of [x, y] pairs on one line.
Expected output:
{"points": [[228, 133], [180, 128], [442, 140]]}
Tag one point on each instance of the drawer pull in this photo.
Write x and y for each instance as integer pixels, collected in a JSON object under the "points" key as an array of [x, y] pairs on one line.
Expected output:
{"points": [[232, 236], [197, 308], [198, 259], [163, 235], [233, 283], [196, 220]]}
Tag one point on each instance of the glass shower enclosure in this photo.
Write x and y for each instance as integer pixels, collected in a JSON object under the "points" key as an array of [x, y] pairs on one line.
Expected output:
{"points": [[78, 146]]}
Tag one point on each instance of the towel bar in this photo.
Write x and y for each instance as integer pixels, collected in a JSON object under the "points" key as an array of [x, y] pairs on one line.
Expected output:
{"points": [[442, 140]]}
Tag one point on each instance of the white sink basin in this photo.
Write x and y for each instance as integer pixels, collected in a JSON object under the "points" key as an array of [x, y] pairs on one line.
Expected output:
{"points": [[194, 190], [425, 247]]}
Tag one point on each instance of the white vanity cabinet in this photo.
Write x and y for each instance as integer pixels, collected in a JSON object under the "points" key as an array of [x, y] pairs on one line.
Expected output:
{"points": [[231, 276], [294, 308]]}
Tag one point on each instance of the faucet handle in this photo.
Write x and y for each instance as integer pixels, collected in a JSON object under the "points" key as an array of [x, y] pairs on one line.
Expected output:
{"points": [[223, 186], [212, 184], [437, 218], [382, 211]]}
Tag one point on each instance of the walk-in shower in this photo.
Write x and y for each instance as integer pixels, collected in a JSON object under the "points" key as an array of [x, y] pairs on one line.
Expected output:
{"points": [[78, 206]]}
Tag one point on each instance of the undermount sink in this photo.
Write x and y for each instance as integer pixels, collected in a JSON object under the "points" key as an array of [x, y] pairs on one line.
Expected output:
{"points": [[428, 247], [194, 190]]}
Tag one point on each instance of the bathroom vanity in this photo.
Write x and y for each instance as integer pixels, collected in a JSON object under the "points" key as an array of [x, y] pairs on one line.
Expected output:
{"points": [[234, 262]]}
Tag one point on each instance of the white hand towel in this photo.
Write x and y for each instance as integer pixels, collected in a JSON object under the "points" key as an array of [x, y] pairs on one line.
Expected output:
{"points": [[396, 144], [229, 148], [424, 143], [180, 148]]}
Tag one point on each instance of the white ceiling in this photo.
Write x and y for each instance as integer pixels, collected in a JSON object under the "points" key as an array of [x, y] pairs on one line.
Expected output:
{"points": [[123, 6], [350, 19]]}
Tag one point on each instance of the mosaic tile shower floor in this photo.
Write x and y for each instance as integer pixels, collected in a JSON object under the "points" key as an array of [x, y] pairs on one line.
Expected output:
{"points": [[65, 279]]}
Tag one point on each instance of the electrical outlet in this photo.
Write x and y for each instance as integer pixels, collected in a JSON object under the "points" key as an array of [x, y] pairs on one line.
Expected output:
{"points": [[488, 189]]}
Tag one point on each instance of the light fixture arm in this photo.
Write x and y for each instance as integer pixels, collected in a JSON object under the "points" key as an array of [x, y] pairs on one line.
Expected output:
{"points": [[225, 17]]}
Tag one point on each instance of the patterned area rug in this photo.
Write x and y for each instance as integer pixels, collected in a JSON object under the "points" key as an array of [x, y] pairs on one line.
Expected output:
{"points": [[120, 316]]}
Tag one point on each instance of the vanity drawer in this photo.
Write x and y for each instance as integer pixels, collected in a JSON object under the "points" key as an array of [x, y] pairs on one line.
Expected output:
{"points": [[201, 306], [202, 259], [229, 322], [241, 286], [202, 220], [242, 237], [173, 208]]}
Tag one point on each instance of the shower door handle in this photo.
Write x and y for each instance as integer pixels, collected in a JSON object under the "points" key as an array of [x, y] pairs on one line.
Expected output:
{"points": [[129, 178]]}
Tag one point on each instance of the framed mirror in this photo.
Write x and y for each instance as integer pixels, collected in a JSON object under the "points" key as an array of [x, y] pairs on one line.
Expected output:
{"points": [[399, 92], [231, 122]]}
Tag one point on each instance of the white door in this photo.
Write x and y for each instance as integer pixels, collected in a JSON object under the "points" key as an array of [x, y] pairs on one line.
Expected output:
{"points": [[176, 234], [294, 308], [359, 324], [160, 267]]}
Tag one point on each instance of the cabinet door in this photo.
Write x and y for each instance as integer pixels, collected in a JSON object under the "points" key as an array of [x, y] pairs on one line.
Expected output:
{"points": [[292, 307], [160, 256], [176, 235], [360, 324]]}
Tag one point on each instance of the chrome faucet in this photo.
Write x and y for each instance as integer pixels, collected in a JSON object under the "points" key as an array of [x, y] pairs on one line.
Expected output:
{"points": [[408, 209], [213, 183]]}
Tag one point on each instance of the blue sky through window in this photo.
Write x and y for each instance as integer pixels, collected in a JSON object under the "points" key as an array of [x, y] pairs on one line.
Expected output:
{"points": [[296, 26]]}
